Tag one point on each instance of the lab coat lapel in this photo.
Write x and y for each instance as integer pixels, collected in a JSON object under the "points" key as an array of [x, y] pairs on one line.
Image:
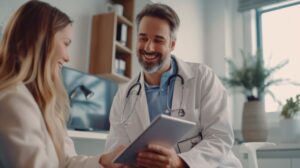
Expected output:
{"points": [[188, 76], [142, 107], [140, 119]]}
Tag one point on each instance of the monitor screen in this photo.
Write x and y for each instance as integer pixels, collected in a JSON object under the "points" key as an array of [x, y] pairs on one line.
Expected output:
{"points": [[90, 100]]}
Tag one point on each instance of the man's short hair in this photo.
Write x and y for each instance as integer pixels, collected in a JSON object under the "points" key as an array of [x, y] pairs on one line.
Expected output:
{"points": [[163, 12]]}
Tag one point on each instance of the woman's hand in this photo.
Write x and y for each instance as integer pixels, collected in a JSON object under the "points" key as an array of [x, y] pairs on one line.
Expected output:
{"points": [[106, 159]]}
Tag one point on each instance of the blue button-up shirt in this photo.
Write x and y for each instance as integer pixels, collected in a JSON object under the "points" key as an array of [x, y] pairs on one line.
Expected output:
{"points": [[157, 94]]}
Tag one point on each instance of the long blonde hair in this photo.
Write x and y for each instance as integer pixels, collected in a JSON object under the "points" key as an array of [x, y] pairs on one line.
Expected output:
{"points": [[26, 56]]}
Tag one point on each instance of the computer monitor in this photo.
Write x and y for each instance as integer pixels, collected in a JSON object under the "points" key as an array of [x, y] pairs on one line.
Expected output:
{"points": [[90, 100]]}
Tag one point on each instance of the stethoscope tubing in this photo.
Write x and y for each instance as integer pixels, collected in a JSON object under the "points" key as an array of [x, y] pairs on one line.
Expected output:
{"points": [[138, 84]]}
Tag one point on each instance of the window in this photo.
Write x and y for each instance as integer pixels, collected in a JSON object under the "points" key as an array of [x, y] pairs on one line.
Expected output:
{"points": [[278, 35]]}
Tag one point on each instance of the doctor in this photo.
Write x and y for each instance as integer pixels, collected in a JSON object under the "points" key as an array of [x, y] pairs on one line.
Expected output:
{"points": [[190, 91]]}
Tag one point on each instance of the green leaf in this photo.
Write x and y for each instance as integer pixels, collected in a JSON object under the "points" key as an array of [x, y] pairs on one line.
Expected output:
{"points": [[253, 77]]}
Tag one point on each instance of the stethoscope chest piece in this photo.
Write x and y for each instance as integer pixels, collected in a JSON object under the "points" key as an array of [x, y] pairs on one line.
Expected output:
{"points": [[181, 113], [168, 112]]}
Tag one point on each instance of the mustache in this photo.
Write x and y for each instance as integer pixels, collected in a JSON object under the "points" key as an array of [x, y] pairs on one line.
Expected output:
{"points": [[149, 53]]}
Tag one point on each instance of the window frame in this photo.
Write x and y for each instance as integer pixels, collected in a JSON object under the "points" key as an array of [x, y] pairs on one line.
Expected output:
{"points": [[258, 15]]}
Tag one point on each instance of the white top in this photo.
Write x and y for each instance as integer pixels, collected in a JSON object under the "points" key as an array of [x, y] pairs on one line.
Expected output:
{"points": [[24, 139]]}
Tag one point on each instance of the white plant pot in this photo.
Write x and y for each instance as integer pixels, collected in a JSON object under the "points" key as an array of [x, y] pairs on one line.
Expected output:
{"points": [[290, 130], [254, 123]]}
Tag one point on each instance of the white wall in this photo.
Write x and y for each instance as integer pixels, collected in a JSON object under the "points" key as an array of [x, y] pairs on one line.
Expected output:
{"points": [[226, 32], [139, 4], [81, 12], [190, 38], [7, 7], [216, 20]]}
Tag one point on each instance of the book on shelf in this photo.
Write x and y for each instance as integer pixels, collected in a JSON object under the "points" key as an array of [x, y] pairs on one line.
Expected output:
{"points": [[120, 66], [122, 33]]}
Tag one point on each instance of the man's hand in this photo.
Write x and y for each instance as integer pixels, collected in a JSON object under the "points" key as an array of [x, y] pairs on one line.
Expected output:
{"points": [[106, 159], [158, 156]]}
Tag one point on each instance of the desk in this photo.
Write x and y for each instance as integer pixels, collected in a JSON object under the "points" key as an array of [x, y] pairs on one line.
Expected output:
{"points": [[280, 151], [279, 156], [88, 143], [88, 135]]}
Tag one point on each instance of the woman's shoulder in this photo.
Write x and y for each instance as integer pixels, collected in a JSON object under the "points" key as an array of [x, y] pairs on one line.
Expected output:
{"points": [[17, 101], [14, 94], [22, 130]]}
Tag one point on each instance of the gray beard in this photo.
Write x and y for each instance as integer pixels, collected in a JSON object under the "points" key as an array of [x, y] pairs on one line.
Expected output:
{"points": [[155, 67]]}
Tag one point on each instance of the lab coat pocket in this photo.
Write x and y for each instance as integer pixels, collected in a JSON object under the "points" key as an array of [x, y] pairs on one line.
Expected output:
{"points": [[187, 144], [194, 136]]}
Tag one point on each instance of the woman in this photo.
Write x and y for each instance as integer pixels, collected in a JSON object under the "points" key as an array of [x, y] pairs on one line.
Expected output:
{"points": [[33, 102]]}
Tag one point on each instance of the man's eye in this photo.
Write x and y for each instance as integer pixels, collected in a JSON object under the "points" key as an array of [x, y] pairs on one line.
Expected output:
{"points": [[143, 39], [158, 41]]}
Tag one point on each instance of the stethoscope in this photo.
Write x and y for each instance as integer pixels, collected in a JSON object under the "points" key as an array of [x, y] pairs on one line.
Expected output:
{"points": [[137, 86]]}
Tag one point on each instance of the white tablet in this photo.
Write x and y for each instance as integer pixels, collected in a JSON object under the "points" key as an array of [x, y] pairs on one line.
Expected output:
{"points": [[163, 129]]}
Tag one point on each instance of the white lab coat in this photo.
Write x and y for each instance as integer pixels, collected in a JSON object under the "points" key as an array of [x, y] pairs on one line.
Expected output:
{"points": [[24, 139], [204, 101]]}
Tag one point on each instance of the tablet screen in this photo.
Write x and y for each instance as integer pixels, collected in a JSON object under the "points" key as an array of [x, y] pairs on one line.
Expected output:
{"points": [[160, 130]]}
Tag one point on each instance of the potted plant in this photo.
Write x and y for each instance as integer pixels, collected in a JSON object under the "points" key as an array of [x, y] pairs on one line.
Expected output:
{"points": [[290, 124], [253, 79]]}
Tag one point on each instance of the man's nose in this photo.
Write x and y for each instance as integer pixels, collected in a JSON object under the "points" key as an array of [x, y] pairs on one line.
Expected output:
{"points": [[149, 46]]}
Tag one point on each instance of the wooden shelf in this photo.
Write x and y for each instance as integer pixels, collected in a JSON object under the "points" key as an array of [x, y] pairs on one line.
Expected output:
{"points": [[122, 49], [122, 19], [88, 135], [116, 77], [106, 50]]}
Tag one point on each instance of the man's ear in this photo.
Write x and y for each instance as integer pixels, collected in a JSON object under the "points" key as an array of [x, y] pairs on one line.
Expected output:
{"points": [[173, 44]]}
